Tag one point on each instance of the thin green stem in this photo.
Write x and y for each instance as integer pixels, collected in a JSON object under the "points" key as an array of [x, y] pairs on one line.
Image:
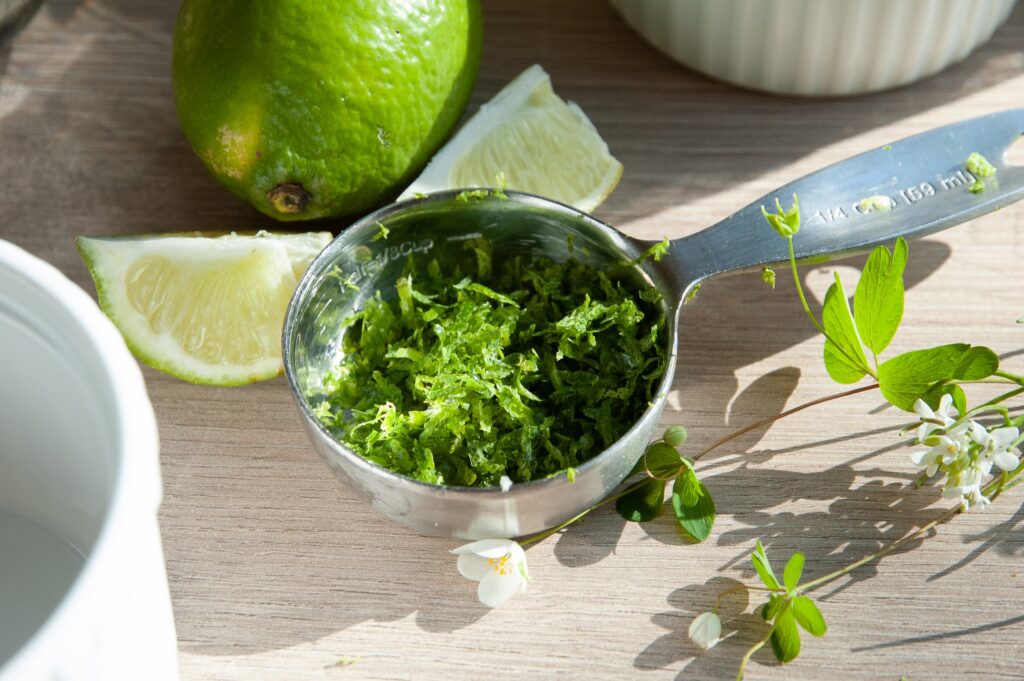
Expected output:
{"points": [[997, 400], [807, 308], [821, 581], [1001, 486], [993, 489], [738, 587], [1000, 409], [754, 426], [1008, 481], [746, 658], [776, 417], [1011, 483], [533, 539], [1019, 380], [992, 381], [800, 288]]}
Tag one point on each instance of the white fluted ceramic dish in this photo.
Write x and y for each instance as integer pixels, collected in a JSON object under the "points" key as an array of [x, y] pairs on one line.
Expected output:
{"points": [[816, 47]]}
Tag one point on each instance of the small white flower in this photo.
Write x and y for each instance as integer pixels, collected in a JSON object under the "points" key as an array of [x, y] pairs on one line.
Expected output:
{"points": [[505, 482], [970, 497], [706, 630], [966, 485], [978, 432], [931, 459], [944, 451], [934, 420], [498, 564], [996, 446]]}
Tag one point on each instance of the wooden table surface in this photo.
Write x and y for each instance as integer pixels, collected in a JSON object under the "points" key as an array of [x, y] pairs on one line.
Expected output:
{"points": [[276, 570]]}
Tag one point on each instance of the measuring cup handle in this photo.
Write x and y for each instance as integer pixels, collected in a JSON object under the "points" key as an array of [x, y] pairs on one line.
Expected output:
{"points": [[922, 179]]}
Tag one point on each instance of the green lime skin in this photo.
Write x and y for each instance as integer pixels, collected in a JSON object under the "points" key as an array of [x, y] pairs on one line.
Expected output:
{"points": [[322, 107]]}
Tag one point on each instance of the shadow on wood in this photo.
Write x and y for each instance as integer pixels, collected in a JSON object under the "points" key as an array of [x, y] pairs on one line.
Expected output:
{"points": [[741, 628]]}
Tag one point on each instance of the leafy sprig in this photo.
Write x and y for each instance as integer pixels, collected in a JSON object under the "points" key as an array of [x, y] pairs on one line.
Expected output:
{"points": [[852, 334], [690, 500], [928, 382], [644, 500], [787, 609]]}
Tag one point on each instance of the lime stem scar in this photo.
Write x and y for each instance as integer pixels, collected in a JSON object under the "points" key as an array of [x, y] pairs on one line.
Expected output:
{"points": [[290, 197]]}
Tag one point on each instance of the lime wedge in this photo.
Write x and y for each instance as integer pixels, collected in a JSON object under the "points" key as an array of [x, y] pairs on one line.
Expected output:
{"points": [[207, 309], [532, 138]]}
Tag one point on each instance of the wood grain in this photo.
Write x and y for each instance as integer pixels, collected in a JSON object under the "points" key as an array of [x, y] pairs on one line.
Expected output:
{"points": [[276, 570]]}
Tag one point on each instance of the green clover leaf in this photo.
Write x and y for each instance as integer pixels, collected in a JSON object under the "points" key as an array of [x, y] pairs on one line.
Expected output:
{"points": [[975, 364], [878, 300], [644, 503], [770, 609], [844, 355], [907, 377], [693, 505], [794, 568], [808, 616], [764, 568], [935, 393], [785, 637], [663, 461]]}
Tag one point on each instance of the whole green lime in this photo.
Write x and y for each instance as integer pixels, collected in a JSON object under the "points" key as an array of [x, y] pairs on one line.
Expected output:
{"points": [[321, 107]]}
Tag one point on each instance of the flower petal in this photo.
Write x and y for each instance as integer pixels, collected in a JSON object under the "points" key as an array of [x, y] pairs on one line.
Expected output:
{"points": [[922, 457], [518, 559], [945, 402], [979, 433], [1005, 460], [488, 548], [1003, 437], [924, 430], [497, 588], [958, 431], [472, 566], [923, 410], [705, 630]]}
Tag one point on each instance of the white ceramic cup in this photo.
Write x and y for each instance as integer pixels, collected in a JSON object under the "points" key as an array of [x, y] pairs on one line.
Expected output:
{"points": [[816, 47], [83, 588]]}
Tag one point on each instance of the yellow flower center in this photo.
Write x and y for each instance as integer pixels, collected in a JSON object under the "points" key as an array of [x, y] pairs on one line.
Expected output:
{"points": [[501, 565]]}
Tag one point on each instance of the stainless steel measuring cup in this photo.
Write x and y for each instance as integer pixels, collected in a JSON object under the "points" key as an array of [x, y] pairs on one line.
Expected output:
{"points": [[922, 179]]}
